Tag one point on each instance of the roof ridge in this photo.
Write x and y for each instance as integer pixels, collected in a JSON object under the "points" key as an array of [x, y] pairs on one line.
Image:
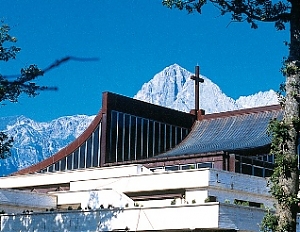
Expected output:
{"points": [[253, 110]]}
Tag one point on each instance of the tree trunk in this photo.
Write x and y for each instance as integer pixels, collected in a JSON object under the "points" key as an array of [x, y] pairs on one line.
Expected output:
{"points": [[286, 210]]}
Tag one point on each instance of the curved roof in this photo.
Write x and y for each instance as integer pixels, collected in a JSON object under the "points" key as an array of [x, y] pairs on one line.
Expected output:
{"points": [[230, 131], [64, 152]]}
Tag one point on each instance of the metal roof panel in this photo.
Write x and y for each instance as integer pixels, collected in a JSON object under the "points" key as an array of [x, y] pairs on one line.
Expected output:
{"points": [[234, 132]]}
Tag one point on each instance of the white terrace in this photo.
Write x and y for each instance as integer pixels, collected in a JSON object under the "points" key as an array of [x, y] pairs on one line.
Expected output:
{"points": [[134, 197]]}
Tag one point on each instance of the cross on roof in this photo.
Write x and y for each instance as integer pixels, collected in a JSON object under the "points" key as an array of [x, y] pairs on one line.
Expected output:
{"points": [[197, 79]]}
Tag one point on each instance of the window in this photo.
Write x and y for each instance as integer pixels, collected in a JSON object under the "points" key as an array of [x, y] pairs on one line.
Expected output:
{"points": [[187, 166], [63, 164], [205, 165], [96, 147], [134, 138], [70, 161], [89, 154], [172, 168], [82, 155]]}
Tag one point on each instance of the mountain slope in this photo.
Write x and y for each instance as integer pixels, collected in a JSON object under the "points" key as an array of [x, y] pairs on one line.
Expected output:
{"points": [[36, 141], [259, 99]]}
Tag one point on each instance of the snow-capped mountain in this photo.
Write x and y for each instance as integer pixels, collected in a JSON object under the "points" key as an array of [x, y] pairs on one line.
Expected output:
{"points": [[172, 87], [36, 141], [259, 99]]}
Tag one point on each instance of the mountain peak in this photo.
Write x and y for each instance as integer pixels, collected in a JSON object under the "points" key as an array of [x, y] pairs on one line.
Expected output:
{"points": [[173, 66], [172, 87], [164, 87]]}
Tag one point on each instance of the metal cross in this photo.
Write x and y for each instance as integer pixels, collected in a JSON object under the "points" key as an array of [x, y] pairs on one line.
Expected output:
{"points": [[197, 79]]}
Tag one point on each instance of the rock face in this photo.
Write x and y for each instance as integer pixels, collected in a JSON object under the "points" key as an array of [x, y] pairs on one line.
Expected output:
{"points": [[172, 87]]}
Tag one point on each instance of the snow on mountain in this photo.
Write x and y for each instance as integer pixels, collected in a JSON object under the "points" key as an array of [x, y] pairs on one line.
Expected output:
{"points": [[172, 87], [36, 141], [259, 99], [164, 87]]}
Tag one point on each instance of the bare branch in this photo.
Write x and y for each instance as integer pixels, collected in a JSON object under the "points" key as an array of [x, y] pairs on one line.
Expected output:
{"points": [[55, 64]]}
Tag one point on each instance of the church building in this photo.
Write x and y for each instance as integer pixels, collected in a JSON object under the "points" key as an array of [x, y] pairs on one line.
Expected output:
{"points": [[142, 167], [128, 131]]}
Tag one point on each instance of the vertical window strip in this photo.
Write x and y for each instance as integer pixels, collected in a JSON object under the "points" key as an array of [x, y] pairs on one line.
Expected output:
{"points": [[129, 138], [99, 145], [85, 153], [79, 158], [170, 137], [76, 158], [110, 138], [69, 159], [72, 165], [117, 138], [147, 134], [135, 138], [63, 164], [165, 137], [56, 166], [124, 137], [92, 148], [50, 168], [181, 133], [72, 161], [142, 137], [159, 137], [95, 147], [175, 135], [153, 138], [82, 155]]}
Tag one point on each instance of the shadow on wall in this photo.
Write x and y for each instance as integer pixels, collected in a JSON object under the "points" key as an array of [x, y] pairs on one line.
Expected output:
{"points": [[73, 220]]}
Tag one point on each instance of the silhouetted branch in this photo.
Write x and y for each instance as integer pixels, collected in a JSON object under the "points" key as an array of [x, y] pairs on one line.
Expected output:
{"points": [[56, 64], [11, 89]]}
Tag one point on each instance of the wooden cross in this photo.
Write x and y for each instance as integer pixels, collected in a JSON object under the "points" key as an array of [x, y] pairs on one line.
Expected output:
{"points": [[197, 79]]}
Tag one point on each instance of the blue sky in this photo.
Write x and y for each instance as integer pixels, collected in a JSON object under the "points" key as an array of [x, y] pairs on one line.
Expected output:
{"points": [[134, 40]]}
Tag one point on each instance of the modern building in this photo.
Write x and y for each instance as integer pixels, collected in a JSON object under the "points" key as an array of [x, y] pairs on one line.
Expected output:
{"points": [[128, 131], [143, 167]]}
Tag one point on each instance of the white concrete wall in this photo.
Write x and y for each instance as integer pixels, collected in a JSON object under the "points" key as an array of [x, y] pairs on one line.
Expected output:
{"points": [[93, 198], [199, 184], [148, 182], [227, 186], [197, 195], [158, 203], [171, 217], [17, 201], [240, 217], [227, 196], [209, 215], [136, 219], [37, 179], [238, 182]]}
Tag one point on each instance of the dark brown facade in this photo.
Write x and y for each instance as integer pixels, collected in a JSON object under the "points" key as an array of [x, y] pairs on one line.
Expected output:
{"points": [[125, 129], [128, 131]]}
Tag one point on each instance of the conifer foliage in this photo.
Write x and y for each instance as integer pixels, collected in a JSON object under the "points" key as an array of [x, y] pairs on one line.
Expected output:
{"points": [[285, 133]]}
